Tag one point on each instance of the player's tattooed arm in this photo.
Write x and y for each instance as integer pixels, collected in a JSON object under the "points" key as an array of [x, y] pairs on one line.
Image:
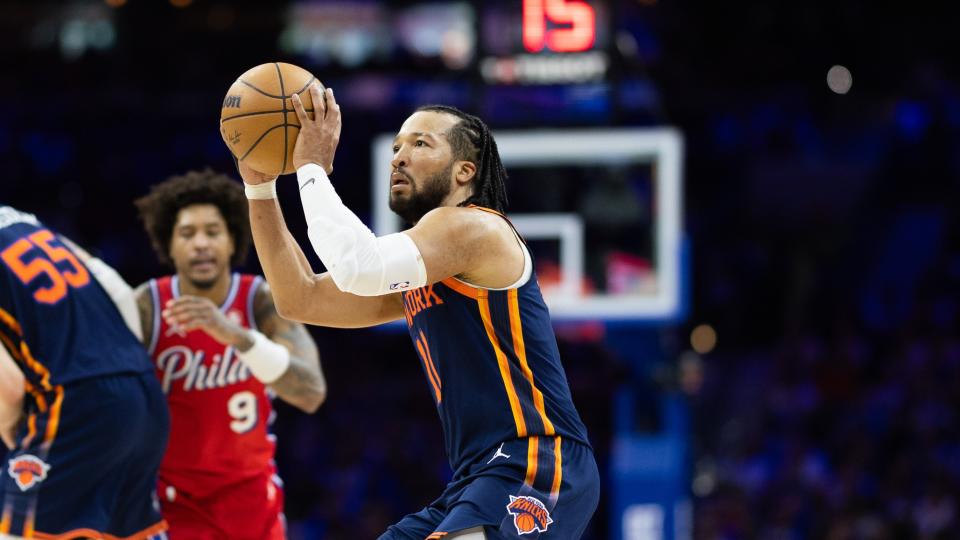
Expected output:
{"points": [[300, 382], [303, 384], [145, 308]]}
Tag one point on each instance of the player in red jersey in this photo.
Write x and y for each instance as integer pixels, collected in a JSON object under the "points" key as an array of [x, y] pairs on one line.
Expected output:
{"points": [[221, 353]]}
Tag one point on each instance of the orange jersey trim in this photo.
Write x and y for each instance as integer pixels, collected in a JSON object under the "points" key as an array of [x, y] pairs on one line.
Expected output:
{"points": [[487, 210], [31, 430], [533, 448], [505, 218], [9, 320], [54, 422], [28, 387], [436, 535], [97, 535], [458, 286], [25, 357], [36, 366], [503, 363], [14, 350], [7, 517], [557, 470], [520, 349], [37, 395]]}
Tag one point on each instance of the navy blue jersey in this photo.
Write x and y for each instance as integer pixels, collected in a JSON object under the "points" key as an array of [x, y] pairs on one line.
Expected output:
{"points": [[493, 367], [55, 319]]}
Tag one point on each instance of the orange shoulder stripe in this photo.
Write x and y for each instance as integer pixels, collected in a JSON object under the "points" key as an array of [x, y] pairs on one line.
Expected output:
{"points": [[462, 288], [485, 209]]}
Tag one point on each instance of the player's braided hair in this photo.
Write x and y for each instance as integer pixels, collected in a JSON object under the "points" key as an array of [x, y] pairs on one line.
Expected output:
{"points": [[471, 141], [159, 209]]}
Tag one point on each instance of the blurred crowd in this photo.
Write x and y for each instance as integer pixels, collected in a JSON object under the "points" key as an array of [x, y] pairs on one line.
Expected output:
{"points": [[837, 435], [824, 234], [830, 409]]}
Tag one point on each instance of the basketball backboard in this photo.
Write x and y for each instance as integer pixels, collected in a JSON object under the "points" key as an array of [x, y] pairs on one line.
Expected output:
{"points": [[601, 210]]}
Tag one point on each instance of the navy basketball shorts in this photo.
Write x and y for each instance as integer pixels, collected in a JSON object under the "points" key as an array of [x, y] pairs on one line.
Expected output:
{"points": [[539, 487], [86, 461]]}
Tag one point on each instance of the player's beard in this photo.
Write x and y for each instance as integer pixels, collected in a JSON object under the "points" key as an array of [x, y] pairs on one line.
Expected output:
{"points": [[424, 196], [204, 285]]}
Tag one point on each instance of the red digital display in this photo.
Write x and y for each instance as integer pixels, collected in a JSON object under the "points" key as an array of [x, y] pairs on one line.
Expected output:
{"points": [[577, 18]]}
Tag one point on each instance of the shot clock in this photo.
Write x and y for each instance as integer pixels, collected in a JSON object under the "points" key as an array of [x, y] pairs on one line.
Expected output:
{"points": [[544, 42]]}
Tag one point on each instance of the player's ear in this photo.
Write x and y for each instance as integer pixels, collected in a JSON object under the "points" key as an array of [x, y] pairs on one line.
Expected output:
{"points": [[465, 171]]}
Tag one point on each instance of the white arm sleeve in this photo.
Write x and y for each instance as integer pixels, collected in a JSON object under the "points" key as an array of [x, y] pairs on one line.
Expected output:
{"points": [[358, 261], [119, 291]]}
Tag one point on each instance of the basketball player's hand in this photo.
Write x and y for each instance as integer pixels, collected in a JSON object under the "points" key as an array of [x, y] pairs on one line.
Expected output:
{"points": [[253, 177], [188, 313], [319, 136]]}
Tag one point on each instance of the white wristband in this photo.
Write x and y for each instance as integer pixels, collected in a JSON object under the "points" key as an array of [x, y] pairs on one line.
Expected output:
{"points": [[267, 360], [266, 190]]}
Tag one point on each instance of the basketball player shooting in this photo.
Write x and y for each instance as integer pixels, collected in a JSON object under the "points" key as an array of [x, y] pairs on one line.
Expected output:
{"points": [[462, 279]]}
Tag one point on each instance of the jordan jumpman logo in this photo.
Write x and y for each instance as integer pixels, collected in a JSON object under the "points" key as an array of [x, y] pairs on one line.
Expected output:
{"points": [[499, 454]]}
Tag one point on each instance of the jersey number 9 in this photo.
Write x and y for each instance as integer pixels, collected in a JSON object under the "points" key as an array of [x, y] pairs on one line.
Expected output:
{"points": [[242, 407]]}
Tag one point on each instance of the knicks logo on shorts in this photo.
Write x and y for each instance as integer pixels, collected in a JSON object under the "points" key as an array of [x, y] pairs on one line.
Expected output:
{"points": [[529, 514], [27, 471]]}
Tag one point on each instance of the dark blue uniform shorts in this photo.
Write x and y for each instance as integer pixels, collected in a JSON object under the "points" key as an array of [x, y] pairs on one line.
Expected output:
{"points": [[539, 487], [86, 461]]}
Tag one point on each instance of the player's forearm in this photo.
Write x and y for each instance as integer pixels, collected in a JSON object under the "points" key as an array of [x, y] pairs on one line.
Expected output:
{"points": [[299, 294], [302, 385], [11, 380], [283, 263], [11, 397], [11, 414], [10, 417], [359, 262]]}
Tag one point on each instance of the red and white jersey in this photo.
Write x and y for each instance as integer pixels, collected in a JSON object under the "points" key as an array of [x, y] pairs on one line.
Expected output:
{"points": [[219, 412]]}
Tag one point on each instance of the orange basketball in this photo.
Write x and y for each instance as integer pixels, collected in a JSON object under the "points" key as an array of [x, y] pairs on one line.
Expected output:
{"points": [[257, 120], [525, 523]]}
